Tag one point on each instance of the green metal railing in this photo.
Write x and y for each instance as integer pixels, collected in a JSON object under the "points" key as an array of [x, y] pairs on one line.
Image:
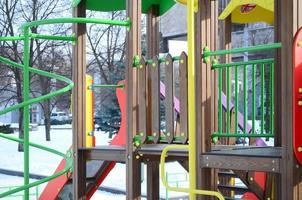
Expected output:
{"points": [[240, 86], [27, 101], [34, 193]]}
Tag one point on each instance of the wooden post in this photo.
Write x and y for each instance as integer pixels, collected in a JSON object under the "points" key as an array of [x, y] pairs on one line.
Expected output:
{"points": [[152, 51], [288, 18], [206, 35], [133, 166], [78, 99]]}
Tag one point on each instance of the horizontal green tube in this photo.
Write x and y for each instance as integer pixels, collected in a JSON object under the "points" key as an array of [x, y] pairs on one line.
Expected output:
{"points": [[16, 38], [51, 37], [244, 63], [41, 98], [242, 50], [216, 134], [137, 138], [107, 86], [79, 21], [163, 60], [66, 169]]}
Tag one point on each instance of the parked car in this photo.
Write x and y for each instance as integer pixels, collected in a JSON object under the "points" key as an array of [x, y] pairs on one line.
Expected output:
{"points": [[59, 116]]}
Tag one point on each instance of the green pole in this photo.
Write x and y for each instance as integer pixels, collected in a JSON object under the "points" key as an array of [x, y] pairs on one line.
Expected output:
{"points": [[26, 110]]}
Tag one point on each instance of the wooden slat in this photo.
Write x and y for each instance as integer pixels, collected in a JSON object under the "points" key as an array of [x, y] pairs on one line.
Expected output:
{"points": [[183, 94], [155, 88], [142, 101], [79, 105], [169, 105]]}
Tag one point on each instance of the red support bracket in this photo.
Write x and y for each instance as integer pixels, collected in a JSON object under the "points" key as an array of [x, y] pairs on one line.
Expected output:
{"points": [[297, 96]]}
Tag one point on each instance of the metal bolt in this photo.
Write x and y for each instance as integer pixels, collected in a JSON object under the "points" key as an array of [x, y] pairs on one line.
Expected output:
{"points": [[141, 66], [273, 169], [207, 158], [299, 44], [153, 64], [128, 157], [273, 161], [251, 178], [168, 134], [142, 134], [154, 134], [167, 63], [299, 103], [137, 157], [182, 134], [297, 166], [300, 149], [182, 61], [300, 90], [207, 164]]}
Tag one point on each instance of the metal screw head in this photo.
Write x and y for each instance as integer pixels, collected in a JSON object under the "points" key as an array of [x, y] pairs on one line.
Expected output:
{"points": [[299, 44], [300, 90], [182, 61], [167, 63], [142, 134], [273, 169], [168, 134], [251, 178], [300, 149], [299, 103], [154, 134], [153, 64], [182, 134], [137, 157], [141, 66]]}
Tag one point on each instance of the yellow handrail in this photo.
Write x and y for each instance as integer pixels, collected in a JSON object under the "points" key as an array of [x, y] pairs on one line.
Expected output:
{"points": [[191, 7]]}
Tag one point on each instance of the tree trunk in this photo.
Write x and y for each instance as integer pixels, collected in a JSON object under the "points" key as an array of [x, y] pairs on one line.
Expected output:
{"points": [[21, 130], [47, 119]]}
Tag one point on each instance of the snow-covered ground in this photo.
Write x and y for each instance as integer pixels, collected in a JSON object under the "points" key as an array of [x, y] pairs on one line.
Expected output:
{"points": [[44, 163]]}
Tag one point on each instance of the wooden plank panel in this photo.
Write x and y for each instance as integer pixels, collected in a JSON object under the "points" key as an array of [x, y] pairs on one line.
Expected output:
{"points": [[142, 101], [169, 105], [183, 96], [241, 163], [155, 88]]}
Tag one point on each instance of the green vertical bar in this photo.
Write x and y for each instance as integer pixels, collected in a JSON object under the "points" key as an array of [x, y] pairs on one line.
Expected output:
{"points": [[262, 98], [244, 99], [26, 110], [236, 99], [228, 100], [220, 101], [253, 98], [272, 98]]}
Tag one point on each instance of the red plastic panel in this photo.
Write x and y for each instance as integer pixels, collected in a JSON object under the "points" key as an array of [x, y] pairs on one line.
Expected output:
{"points": [[297, 95]]}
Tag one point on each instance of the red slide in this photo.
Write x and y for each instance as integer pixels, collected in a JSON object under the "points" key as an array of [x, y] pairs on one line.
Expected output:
{"points": [[54, 187]]}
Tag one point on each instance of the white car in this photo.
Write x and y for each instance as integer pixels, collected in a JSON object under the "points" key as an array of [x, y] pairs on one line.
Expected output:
{"points": [[59, 116]]}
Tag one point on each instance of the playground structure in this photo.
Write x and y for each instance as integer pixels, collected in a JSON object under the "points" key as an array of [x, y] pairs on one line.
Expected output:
{"points": [[201, 137]]}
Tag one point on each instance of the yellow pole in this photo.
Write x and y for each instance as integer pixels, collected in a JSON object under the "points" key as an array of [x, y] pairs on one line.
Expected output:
{"points": [[89, 111], [191, 98], [191, 7]]}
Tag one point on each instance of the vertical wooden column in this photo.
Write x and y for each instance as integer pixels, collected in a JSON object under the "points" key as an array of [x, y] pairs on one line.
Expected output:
{"points": [[78, 99], [288, 18], [133, 166], [152, 72], [206, 35]]}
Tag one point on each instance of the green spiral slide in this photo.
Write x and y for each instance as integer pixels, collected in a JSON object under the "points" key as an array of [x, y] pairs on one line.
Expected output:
{"points": [[27, 101]]}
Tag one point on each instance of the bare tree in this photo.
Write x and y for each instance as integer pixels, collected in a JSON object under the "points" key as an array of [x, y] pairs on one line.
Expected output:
{"points": [[12, 14], [106, 51]]}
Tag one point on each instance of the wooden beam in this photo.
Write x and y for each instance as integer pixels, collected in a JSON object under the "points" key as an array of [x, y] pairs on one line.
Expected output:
{"points": [[153, 122], [206, 35], [78, 98], [288, 18], [133, 41]]}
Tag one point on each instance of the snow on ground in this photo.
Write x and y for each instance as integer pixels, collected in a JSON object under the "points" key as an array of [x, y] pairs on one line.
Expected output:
{"points": [[44, 163]]}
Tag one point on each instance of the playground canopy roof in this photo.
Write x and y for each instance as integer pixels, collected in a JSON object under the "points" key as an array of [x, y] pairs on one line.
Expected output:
{"points": [[249, 11], [115, 5]]}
